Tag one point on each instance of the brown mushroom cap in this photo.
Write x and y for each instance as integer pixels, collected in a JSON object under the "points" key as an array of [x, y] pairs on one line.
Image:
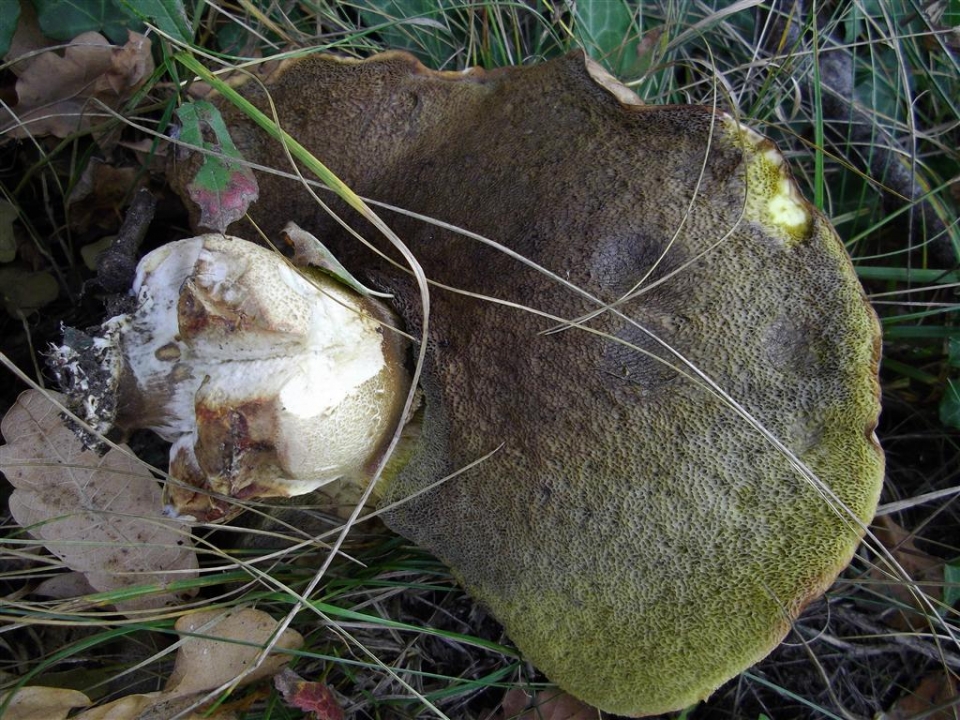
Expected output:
{"points": [[639, 538]]}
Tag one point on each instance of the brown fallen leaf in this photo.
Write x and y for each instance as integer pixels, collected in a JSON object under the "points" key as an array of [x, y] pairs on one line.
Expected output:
{"points": [[151, 706], [149, 154], [924, 569], [97, 199], [236, 77], [60, 94], [101, 516], [49, 703], [64, 586], [935, 698], [229, 645], [36, 702], [27, 39], [125, 708], [551, 704]]}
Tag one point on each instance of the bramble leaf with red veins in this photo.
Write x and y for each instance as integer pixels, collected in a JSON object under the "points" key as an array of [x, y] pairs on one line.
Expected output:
{"points": [[223, 187], [315, 698]]}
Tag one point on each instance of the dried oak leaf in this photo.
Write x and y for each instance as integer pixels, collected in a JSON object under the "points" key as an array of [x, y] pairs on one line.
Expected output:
{"points": [[101, 516], [229, 648], [64, 586], [38, 702], [28, 38], [221, 645], [217, 647], [50, 703], [151, 706], [58, 94]]}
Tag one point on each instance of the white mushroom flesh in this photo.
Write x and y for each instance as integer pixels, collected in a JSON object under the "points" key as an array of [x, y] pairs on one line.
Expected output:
{"points": [[267, 382]]}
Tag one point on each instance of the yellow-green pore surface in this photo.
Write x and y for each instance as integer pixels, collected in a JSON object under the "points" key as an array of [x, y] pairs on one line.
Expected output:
{"points": [[641, 541]]}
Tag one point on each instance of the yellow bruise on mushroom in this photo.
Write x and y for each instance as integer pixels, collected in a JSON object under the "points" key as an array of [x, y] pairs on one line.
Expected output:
{"points": [[640, 539], [773, 198]]}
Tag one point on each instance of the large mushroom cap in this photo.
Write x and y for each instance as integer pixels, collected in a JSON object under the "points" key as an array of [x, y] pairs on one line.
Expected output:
{"points": [[642, 536]]}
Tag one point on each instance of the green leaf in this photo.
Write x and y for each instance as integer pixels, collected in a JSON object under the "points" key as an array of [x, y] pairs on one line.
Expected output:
{"points": [[231, 38], [950, 405], [410, 25], [223, 187], [170, 16], [65, 19], [8, 26], [608, 31], [920, 331], [951, 16], [913, 275], [953, 352], [951, 583], [22, 291]]}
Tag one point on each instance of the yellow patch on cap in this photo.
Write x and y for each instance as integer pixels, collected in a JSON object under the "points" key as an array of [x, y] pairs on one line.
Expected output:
{"points": [[773, 199]]}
